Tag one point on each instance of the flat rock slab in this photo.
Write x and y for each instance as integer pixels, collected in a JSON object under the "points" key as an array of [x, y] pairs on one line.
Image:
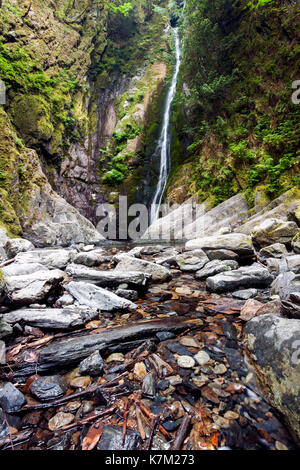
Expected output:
{"points": [[17, 245], [97, 298], [237, 242], [111, 278], [21, 269], [157, 272], [286, 284], [215, 267], [52, 318], [49, 388], [32, 288], [51, 258], [192, 260], [252, 276], [74, 350]]}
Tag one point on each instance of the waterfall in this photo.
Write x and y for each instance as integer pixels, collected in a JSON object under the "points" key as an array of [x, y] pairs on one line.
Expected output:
{"points": [[163, 146]]}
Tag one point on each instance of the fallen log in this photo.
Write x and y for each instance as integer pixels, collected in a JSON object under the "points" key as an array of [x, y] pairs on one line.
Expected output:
{"points": [[73, 350]]}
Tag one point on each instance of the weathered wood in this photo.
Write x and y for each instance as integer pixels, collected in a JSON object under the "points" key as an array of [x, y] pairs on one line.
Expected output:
{"points": [[73, 350], [181, 433]]}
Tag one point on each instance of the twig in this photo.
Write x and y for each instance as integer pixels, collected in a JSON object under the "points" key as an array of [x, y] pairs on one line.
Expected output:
{"points": [[140, 424], [20, 437], [149, 415], [6, 263], [90, 418], [181, 433], [154, 423]]}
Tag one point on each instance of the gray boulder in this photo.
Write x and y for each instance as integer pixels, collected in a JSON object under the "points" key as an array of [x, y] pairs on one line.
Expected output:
{"points": [[20, 269], [244, 294], [191, 260], [249, 276], [277, 250], [91, 258], [236, 242], [274, 231], [273, 349], [57, 258], [222, 255], [32, 288], [285, 284], [14, 246], [107, 278], [97, 297], [52, 318], [157, 272], [215, 267]]}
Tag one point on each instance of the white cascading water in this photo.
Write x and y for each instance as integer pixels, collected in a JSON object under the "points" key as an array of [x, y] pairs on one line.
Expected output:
{"points": [[164, 140]]}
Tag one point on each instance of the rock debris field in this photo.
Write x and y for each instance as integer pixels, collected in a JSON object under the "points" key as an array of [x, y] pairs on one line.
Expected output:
{"points": [[152, 347]]}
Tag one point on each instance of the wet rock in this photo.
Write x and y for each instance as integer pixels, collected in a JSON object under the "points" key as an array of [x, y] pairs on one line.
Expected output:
{"points": [[5, 329], [49, 388], [221, 255], [60, 420], [80, 382], [52, 318], [115, 357], [215, 267], [111, 278], [97, 298], [165, 335], [277, 250], [220, 369], [157, 272], [2, 353], [291, 306], [140, 370], [56, 259], [189, 342], [250, 309], [274, 231], [192, 260], [149, 386], [252, 276], [202, 358], [244, 294], [11, 399], [236, 242], [92, 258], [92, 365], [285, 284], [4, 429], [186, 362], [111, 439], [127, 294], [270, 308], [32, 288], [17, 245], [272, 346]]}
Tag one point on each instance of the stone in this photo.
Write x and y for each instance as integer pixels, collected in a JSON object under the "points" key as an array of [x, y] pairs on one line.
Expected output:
{"points": [[220, 369], [64, 301], [112, 439], [215, 267], [248, 276], [92, 365], [140, 370], [49, 388], [270, 308], [11, 399], [32, 288], [293, 263], [250, 309], [116, 357], [60, 420], [14, 246], [231, 415], [186, 362], [127, 294], [158, 273], [276, 266], [81, 382], [273, 230], [244, 294], [222, 255], [192, 260], [285, 284], [5, 329], [236, 242], [107, 278], [149, 386], [92, 258], [272, 348], [277, 250], [97, 298], [53, 318], [20, 269], [291, 306], [175, 380], [2, 353], [202, 358], [52, 258], [189, 342], [165, 335], [296, 243], [4, 428]]}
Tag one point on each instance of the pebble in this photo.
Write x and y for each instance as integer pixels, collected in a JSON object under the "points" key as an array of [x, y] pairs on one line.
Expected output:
{"points": [[231, 415], [220, 369], [140, 371], [189, 341], [202, 358], [11, 399], [175, 380], [116, 357], [60, 420], [92, 365], [149, 386], [81, 382], [186, 362], [49, 388]]}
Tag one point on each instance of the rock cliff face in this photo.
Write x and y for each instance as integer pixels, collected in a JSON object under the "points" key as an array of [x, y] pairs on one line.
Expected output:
{"points": [[80, 86]]}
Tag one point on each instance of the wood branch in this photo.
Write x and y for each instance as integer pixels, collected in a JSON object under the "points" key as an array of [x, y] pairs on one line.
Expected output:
{"points": [[122, 338], [15, 439], [181, 433], [90, 418], [6, 263]]}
